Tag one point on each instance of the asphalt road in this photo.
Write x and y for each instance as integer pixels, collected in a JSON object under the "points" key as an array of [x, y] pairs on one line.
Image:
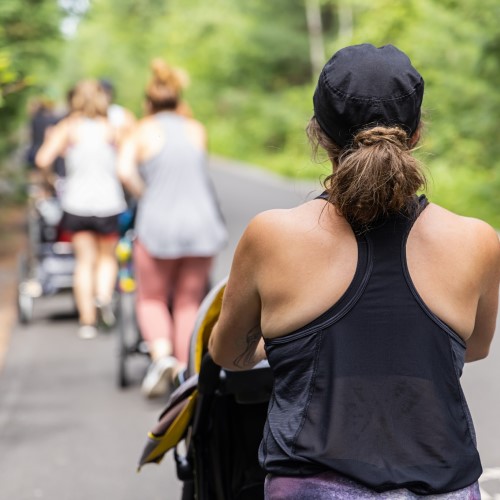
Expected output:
{"points": [[68, 433]]}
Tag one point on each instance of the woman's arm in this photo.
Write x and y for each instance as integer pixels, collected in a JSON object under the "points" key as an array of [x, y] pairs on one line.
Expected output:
{"points": [[127, 166], [478, 344], [236, 341], [55, 143]]}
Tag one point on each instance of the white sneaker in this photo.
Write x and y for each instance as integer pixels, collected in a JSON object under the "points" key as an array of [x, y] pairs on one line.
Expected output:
{"points": [[158, 379], [87, 332]]}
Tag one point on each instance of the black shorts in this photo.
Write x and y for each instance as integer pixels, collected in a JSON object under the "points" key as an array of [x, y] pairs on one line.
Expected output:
{"points": [[101, 225]]}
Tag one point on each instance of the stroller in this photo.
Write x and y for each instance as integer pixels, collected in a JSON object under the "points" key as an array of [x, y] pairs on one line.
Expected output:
{"points": [[130, 341], [47, 266], [218, 416]]}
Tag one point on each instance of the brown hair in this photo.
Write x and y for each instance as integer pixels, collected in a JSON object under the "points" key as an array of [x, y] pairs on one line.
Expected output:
{"points": [[165, 86], [89, 99], [374, 176]]}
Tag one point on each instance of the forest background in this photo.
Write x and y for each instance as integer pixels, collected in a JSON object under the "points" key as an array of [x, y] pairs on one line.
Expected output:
{"points": [[253, 66]]}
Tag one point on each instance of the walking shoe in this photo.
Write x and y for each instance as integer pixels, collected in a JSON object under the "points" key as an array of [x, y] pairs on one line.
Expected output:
{"points": [[87, 332], [106, 314], [158, 379]]}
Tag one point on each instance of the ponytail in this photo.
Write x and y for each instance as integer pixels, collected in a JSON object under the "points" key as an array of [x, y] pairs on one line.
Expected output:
{"points": [[376, 175]]}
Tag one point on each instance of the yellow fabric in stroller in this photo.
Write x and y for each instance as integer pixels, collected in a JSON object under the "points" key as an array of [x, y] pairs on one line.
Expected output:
{"points": [[178, 413], [157, 445]]}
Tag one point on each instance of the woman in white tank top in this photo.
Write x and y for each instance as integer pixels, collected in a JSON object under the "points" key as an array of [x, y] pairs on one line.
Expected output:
{"points": [[92, 199]]}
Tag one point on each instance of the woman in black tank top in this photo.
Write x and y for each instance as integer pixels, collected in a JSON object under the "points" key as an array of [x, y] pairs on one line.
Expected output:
{"points": [[367, 302]]}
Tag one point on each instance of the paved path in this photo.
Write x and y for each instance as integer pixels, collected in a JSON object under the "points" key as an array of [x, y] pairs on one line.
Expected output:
{"points": [[67, 432]]}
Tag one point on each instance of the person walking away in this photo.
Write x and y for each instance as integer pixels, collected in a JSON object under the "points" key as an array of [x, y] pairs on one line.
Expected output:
{"points": [[42, 119], [122, 119], [179, 227], [92, 200], [366, 301]]}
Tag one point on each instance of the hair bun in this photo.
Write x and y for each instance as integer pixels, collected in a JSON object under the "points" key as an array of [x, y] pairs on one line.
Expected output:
{"points": [[161, 70], [164, 74]]}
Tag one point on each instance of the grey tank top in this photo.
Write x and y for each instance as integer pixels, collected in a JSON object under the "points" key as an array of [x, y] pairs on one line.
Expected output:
{"points": [[178, 215]]}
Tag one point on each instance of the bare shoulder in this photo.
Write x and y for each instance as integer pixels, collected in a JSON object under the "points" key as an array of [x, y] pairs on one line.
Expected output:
{"points": [[459, 235], [67, 128], [264, 227], [71, 122], [146, 128], [278, 228], [129, 116], [278, 220], [485, 240], [471, 230], [275, 216], [195, 124], [196, 131], [486, 236], [264, 246], [146, 123], [65, 123]]}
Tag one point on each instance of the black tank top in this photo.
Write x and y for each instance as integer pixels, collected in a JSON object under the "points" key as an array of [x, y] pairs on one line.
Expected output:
{"points": [[371, 389]]}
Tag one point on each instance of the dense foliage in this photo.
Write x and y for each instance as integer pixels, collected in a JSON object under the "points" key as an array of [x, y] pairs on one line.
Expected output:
{"points": [[252, 79], [29, 36]]}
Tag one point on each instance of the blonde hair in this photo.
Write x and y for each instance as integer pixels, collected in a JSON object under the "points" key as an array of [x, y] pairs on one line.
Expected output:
{"points": [[89, 99], [374, 176], [165, 85]]}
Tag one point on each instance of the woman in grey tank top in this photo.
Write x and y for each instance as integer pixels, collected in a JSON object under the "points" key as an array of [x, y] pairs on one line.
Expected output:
{"points": [[179, 226]]}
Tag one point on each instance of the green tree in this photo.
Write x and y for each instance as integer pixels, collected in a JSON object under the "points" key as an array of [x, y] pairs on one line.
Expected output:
{"points": [[29, 34], [252, 77]]}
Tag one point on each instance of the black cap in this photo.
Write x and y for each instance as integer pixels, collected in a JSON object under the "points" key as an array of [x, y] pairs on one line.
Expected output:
{"points": [[363, 85]]}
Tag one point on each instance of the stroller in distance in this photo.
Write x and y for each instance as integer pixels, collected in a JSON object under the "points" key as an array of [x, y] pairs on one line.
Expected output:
{"points": [[47, 266], [217, 416]]}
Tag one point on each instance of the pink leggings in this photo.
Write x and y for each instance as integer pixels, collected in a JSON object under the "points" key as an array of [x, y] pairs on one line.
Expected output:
{"points": [[182, 283]]}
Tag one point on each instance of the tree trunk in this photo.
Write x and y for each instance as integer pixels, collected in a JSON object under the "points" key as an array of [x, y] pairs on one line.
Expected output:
{"points": [[345, 21], [315, 30]]}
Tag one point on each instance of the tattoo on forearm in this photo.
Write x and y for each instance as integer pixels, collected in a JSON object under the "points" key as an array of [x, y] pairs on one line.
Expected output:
{"points": [[247, 357]]}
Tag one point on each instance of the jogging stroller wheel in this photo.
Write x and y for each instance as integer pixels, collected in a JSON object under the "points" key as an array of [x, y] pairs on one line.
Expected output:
{"points": [[25, 302], [128, 336], [122, 373], [122, 359], [188, 490], [123, 323], [25, 305]]}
